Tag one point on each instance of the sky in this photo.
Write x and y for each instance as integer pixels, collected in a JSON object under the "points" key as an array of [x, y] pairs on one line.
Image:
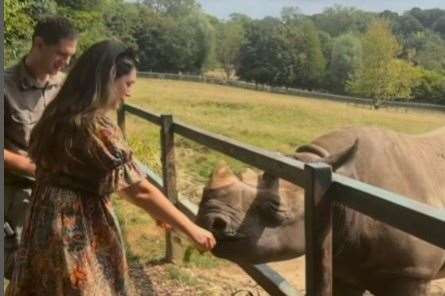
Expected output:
{"points": [[261, 8]]}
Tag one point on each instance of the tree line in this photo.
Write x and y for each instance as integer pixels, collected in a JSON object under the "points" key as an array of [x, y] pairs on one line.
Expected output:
{"points": [[342, 50]]}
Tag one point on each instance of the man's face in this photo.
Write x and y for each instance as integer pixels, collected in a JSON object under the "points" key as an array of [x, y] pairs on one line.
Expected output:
{"points": [[56, 57]]}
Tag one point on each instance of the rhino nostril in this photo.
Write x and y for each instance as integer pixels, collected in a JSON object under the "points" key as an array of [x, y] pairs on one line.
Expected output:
{"points": [[219, 224]]}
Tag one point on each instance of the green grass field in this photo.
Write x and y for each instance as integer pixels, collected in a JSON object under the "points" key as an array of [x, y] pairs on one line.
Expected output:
{"points": [[272, 121]]}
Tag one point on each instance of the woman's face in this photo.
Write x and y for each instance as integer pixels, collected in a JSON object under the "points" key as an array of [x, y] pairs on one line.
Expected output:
{"points": [[122, 88]]}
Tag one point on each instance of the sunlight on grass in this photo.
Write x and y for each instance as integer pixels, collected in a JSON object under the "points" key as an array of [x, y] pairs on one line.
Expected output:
{"points": [[181, 275], [271, 121]]}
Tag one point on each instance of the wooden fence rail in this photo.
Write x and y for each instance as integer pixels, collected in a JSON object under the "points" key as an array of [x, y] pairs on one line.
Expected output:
{"points": [[321, 188]]}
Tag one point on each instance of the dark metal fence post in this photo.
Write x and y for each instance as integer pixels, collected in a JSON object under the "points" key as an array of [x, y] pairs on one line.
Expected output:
{"points": [[169, 176], [318, 230], [121, 120]]}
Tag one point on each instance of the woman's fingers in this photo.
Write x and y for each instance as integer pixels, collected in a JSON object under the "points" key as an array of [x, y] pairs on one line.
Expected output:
{"points": [[204, 239], [163, 225], [211, 242]]}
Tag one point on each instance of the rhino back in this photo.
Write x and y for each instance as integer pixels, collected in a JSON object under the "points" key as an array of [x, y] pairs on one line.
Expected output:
{"points": [[413, 166]]}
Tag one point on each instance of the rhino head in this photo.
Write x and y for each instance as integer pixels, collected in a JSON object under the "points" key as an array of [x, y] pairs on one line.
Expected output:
{"points": [[259, 218]]}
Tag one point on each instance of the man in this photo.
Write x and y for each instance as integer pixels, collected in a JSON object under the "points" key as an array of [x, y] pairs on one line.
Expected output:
{"points": [[29, 87]]}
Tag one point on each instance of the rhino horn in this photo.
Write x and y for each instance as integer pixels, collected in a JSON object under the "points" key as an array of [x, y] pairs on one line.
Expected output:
{"points": [[222, 176], [249, 177], [270, 182]]}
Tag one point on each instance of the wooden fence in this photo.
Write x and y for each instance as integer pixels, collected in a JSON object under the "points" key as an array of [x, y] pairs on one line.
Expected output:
{"points": [[321, 188]]}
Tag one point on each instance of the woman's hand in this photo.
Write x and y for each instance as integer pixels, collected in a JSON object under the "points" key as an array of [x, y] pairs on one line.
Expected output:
{"points": [[204, 239], [163, 225], [147, 196]]}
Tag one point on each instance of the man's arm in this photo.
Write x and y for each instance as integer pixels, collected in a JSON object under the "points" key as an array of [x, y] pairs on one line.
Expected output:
{"points": [[15, 162], [19, 163]]}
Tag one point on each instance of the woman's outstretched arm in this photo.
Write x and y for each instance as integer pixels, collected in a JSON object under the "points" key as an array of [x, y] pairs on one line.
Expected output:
{"points": [[152, 200]]}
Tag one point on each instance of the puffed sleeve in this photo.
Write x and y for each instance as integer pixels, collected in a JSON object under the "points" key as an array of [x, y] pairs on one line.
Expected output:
{"points": [[116, 159]]}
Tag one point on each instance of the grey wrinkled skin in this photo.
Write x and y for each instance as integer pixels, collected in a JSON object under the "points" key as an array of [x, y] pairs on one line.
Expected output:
{"points": [[261, 219]]}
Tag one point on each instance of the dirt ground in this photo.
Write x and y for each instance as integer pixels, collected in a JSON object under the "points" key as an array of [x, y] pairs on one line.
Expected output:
{"points": [[230, 280]]}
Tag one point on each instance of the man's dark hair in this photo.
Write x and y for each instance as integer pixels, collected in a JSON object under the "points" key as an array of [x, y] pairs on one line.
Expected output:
{"points": [[53, 29]]}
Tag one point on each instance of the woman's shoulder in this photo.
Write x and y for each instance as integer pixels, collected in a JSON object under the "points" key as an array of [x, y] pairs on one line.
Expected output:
{"points": [[103, 120], [106, 128], [110, 138]]}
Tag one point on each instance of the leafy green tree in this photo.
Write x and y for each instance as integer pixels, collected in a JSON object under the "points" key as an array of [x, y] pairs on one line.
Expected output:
{"points": [[277, 53], [40, 8], [427, 16], [264, 56], [173, 45], [432, 56], [215, 26], [431, 87], [381, 76], [18, 28], [338, 20], [327, 43], [121, 20], [439, 26], [292, 16], [389, 15], [313, 63], [174, 8], [230, 39], [81, 4], [242, 19], [429, 50], [406, 25], [406, 78], [204, 36], [289, 58], [345, 61], [294, 50], [90, 25]]}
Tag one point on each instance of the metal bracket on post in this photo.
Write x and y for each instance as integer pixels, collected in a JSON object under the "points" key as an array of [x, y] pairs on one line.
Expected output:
{"points": [[121, 120], [318, 230], [169, 176]]}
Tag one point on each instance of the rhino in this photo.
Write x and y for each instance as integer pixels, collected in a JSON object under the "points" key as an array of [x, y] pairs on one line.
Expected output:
{"points": [[259, 218]]}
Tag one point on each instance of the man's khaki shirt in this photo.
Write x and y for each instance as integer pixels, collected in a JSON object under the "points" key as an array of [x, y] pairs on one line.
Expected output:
{"points": [[24, 103]]}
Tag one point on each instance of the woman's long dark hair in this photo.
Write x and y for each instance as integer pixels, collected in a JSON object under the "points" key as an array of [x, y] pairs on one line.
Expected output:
{"points": [[85, 94]]}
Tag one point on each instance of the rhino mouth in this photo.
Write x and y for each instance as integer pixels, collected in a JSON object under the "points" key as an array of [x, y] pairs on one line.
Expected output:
{"points": [[230, 236]]}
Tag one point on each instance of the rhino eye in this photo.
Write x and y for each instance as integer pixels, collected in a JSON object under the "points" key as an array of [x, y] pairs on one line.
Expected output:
{"points": [[273, 204], [272, 207], [274, 212]]}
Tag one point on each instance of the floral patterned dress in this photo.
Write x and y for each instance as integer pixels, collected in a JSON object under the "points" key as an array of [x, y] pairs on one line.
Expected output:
{"points": [[72, 243]]}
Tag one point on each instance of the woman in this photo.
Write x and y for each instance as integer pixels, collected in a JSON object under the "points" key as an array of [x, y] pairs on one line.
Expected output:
{"points": [[72, 243]]}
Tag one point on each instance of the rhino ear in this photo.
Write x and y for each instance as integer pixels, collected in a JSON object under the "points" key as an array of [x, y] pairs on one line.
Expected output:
{"points": [[338, 159], [310, 153], [313, 149], [222, 176]]}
